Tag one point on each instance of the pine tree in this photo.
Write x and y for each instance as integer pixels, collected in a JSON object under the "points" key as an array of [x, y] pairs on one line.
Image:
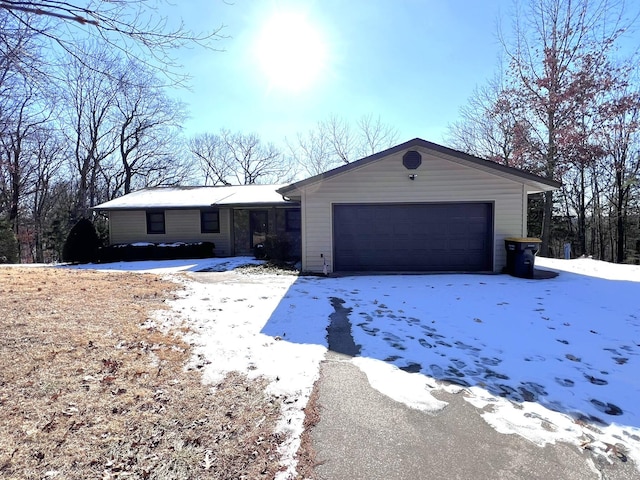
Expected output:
{"points": [[8, 244], [82, 243]]}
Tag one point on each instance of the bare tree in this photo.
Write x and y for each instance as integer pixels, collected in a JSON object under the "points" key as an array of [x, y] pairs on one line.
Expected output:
{"points": [[48, 151], [620, 134], [133, 27], [312, 152], [241, 159], [148, 123], [252, 161], [340, 136], [210, 152], [16, 176], [91, 98], [334, 142], [19, 48], [488, 127], [374, 136]]}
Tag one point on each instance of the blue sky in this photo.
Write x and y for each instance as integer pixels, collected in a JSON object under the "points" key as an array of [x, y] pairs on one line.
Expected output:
{"points": [[412, 62]]}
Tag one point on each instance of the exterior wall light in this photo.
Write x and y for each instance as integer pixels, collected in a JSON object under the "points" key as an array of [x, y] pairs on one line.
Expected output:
{"points": [[412, 176]]}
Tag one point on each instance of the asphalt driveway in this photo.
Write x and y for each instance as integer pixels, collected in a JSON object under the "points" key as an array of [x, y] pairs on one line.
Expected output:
{"points": [[453, 376], [363, 434]]}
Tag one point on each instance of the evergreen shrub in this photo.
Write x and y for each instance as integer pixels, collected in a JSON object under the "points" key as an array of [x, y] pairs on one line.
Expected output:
{"points": [[82, 243]]}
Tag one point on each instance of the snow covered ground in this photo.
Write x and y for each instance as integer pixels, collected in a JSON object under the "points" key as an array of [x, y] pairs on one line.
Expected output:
{"points": [[550, 360]]}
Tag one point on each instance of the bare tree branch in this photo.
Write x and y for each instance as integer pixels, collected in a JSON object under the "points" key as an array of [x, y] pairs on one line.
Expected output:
{"points": [[136, 28]]}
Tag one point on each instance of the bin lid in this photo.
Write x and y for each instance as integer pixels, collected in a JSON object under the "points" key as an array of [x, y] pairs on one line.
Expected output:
{"points": [[523, 239]]}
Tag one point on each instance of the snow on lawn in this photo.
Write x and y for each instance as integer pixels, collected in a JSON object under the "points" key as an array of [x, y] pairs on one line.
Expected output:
{"points": [[551, 360]]}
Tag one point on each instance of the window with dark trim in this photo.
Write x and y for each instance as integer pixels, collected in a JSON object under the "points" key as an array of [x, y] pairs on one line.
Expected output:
{"points": [[293, 220], [209, 221], [155, 222]]}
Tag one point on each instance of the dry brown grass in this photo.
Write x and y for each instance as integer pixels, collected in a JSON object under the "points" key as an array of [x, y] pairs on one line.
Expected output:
{"points": [[306, 453], [85, 392]]}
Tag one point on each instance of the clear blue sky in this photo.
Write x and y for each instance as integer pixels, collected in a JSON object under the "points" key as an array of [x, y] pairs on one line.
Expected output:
{"points": [[413, 62]]}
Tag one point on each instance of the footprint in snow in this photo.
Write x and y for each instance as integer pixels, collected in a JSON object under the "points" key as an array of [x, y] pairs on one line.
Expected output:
{"points": [[452, 371], [489, 361], [504, 391], [474, 372], [434, 335], [596, 381], [620, 360], [531, 391], [412, 368], [535, 358], [394, 341], [565, 382], [456, 381], [608, 408], [566, 342], [368, 330], [458, 363], [464, 346], [424, 343], [491, 374]]}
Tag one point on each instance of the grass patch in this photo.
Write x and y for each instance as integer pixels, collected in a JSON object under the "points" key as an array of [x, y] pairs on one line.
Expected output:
{"points": [[89, 390]]}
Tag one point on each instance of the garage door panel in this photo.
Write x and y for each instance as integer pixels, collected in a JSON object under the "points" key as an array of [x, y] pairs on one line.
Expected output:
{"points": [[414, 237]]}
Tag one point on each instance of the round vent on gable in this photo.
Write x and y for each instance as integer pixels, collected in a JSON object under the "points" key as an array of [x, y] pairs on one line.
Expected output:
{"points": [[412, 160]]}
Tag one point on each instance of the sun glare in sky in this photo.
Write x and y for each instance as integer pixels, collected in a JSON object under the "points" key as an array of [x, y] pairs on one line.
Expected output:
{"points": [[290, 52]]}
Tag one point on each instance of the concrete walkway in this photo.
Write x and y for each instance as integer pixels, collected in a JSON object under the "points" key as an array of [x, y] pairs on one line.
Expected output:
{"points": [[363, 434]]}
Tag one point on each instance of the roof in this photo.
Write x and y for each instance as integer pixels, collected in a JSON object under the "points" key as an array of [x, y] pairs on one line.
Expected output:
{"points": [[539, 183], [196, 197]]}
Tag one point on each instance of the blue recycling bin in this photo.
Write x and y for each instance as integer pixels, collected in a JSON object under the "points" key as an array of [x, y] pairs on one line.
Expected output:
{"points": [[521, 255]]}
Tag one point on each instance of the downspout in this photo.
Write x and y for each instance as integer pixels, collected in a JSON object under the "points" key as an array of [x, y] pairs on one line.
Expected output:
{"points": [[525, 199], [303, 231]]}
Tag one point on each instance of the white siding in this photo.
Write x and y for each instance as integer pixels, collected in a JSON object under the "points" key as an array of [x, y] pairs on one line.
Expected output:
{"points": [[387, 181], [128, 226]]}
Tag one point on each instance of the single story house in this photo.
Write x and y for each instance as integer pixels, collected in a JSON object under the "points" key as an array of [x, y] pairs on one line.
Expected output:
{"points": [[234, 218], [417, 206]]}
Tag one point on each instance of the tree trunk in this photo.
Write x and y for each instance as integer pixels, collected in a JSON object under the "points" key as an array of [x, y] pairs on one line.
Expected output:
{"points": [[620, 219], [582, 215]]}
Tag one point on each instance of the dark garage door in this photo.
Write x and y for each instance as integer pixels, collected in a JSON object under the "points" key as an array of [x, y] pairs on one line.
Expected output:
{"points": [[413, 237]]}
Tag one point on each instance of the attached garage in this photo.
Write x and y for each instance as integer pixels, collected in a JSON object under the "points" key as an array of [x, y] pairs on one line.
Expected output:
{"points": [[417, 207], [436, 237]]}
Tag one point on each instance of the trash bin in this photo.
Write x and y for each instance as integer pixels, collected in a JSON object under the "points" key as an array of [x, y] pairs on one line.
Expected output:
{"points": [[521, 255]]}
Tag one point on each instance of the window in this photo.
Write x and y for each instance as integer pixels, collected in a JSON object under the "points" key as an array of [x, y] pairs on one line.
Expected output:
{"points": [[209, 221], [293, 220], [155, 222]]}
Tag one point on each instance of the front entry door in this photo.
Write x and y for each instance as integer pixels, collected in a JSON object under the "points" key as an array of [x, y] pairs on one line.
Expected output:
{"points": [[259, 226]]}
